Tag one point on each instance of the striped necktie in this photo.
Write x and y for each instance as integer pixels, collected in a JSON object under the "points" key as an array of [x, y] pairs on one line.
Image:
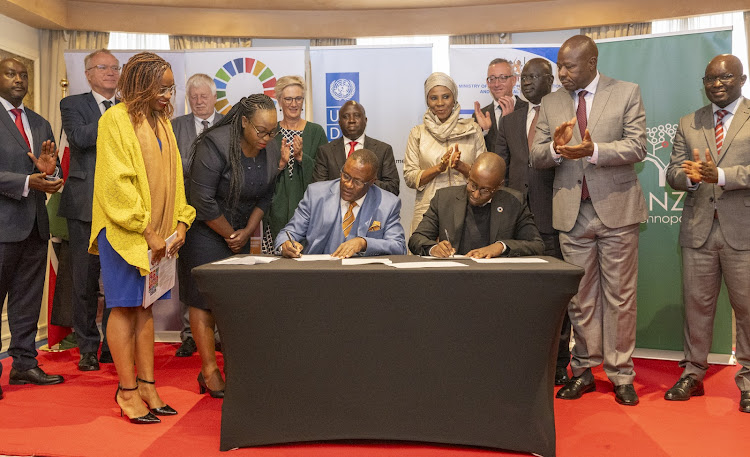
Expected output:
{"points": [[719, 129], [348, 221]]}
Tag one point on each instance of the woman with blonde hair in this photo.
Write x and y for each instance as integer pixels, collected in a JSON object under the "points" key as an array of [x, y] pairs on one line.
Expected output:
{"points": [[303, 139], [440, 151], [139, 201]]}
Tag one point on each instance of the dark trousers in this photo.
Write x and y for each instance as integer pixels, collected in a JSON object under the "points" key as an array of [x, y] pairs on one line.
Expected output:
{"points": [[22, 267], [552, 248], [85, 269]]}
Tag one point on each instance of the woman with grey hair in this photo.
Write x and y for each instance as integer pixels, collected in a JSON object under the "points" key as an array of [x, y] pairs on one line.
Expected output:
{"points": [[303, 139], [440, 151]]}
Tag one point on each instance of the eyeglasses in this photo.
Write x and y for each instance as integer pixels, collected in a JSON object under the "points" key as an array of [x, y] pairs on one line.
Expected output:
{"points": [[115, 68], [501, 78], [289, 100], [261, 135], [358, 183], [483, 191], [725, 79], [533, 77], [164, 91]]}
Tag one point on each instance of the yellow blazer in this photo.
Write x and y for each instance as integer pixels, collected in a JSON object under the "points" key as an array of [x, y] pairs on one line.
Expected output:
{"points": [[122, 200]]}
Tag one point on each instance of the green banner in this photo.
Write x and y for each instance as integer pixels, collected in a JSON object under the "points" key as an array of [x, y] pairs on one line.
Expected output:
{"points": [[669, 71]]}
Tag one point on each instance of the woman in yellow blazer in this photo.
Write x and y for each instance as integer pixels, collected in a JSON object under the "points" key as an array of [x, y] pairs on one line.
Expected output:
{"points": [[139, 201]]}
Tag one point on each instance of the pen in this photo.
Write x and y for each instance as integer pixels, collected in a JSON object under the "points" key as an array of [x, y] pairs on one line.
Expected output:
{"points": [[290, 238], [447, 238]]}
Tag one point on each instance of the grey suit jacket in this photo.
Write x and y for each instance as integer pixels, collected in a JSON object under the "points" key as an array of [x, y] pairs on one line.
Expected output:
{"points": [[80, 120], [331, 157], [732, 202], [617, 124], [510, 222], [491, 138], [17, 213], [184, 131], [535, 185]]}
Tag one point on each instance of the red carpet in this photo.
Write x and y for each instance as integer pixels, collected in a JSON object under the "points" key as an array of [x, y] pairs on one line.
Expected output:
{"points": [[79, 418]]}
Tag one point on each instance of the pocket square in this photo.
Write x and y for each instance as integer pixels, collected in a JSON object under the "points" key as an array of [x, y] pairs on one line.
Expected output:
{"points": [[375, 226]]}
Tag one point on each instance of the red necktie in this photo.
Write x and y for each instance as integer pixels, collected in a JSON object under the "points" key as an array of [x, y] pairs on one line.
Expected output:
{"points": [[719, 129], [532, 129], [582, 122], [351, 148], [19, 123]]}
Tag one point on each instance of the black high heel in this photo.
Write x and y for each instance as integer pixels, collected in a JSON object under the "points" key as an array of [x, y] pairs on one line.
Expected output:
{"points": [[165, 410], [146, 419], [202, 387]]}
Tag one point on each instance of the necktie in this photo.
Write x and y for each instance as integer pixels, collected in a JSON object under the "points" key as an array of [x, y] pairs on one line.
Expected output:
{"points": [[348, 221], [719, 129], [582, 122], [205, 125], [351, 148], [19, 123], [532, 129], [107, 104]]}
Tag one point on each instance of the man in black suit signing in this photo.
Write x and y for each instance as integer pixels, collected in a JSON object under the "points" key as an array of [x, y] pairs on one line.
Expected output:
{"points": [[28, 171], [330, 158], [80, 119], [514, 138], [500, 82], [481, 219]]}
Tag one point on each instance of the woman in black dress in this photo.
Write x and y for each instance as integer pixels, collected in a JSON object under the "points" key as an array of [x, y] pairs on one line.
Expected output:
{"points": [[232, 172]]}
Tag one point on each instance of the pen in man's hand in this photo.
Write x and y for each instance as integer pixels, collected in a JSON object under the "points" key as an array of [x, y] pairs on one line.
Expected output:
{"points": [[290, 239], [448, 239]]}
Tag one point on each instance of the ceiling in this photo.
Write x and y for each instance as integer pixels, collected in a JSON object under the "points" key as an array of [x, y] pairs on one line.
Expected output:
{"points": [[346, 18]]}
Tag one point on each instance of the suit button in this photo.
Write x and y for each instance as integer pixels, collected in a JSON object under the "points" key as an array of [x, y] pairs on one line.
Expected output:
{"points": [[711, 199], [579, 181], [526, 185]]}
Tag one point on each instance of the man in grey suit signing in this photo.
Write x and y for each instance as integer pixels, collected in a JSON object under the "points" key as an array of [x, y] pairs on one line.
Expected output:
{"points": [[330, 157], [592, 131], [80, 119], [711, 161], [201, 95]]}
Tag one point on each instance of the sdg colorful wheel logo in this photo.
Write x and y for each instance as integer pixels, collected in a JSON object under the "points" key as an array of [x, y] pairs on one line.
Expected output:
{"points": [[239, 78]]}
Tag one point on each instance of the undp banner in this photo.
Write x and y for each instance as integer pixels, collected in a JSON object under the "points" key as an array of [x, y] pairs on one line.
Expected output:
{"points": [[387, 81], [469, 69], [671, 88]]}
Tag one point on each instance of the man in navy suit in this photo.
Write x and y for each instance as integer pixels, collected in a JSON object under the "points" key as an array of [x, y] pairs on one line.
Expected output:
{"points": [[347, 216], [80, 119], [25, 179], [514, 136]]}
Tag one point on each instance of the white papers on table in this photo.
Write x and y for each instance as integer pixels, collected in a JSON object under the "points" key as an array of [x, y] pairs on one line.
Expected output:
{"points": [[456, 256], [430, 264], [247, 260], [511, 260], [364, 261], [162, 276], [314, 257]]}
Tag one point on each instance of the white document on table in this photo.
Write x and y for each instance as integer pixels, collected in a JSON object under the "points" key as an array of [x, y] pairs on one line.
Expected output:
{"points": [[511, 260], [364, 261], [431, 264], [161, 279], [247, 260], [314, 257], [456, 256]]}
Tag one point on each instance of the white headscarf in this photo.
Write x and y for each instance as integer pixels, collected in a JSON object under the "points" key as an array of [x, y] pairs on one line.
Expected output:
{"points": [[453, 127]]}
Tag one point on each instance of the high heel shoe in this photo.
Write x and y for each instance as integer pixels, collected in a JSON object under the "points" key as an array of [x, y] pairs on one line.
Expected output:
{"points": [[202, 387], [148, 418], [165, 410]]}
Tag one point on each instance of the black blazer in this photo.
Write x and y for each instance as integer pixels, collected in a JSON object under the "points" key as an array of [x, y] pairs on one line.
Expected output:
{"points": [[331, 157], [18, 213], [491, 138], [510, 222], [535, 184]]}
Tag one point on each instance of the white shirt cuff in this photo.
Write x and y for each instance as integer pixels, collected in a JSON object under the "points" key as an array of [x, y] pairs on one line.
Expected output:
{"points": [[722, 178], [26, 187], [555, 156], [595, 156]]}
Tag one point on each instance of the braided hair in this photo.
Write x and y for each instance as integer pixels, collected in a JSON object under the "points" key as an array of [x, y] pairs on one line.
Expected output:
{"points": [[247, 107], [140, 82]]}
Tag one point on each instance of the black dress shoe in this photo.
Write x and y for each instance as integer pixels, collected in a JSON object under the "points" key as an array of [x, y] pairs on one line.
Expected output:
{"points": [[625, 395], [684, 389], [744, 401], [187, 348], [106, 357], [561, 376], [34, 376], [575, 388], [88, 362]]}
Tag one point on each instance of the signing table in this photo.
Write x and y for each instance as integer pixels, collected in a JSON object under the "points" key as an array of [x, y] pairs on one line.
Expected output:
{"points": [[320, 351]]}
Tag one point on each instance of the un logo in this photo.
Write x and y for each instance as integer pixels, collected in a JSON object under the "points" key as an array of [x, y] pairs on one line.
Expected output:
{"points": [[342, 89]]}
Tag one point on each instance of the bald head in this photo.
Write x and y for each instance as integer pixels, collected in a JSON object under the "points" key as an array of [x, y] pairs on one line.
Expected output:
{"points": [[723, 80], [485, 177], [576, 62], [14, 81], [352, 120]]}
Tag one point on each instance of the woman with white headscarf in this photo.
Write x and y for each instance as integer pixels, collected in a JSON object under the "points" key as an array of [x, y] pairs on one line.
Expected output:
{"points": [[440, 151]]}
